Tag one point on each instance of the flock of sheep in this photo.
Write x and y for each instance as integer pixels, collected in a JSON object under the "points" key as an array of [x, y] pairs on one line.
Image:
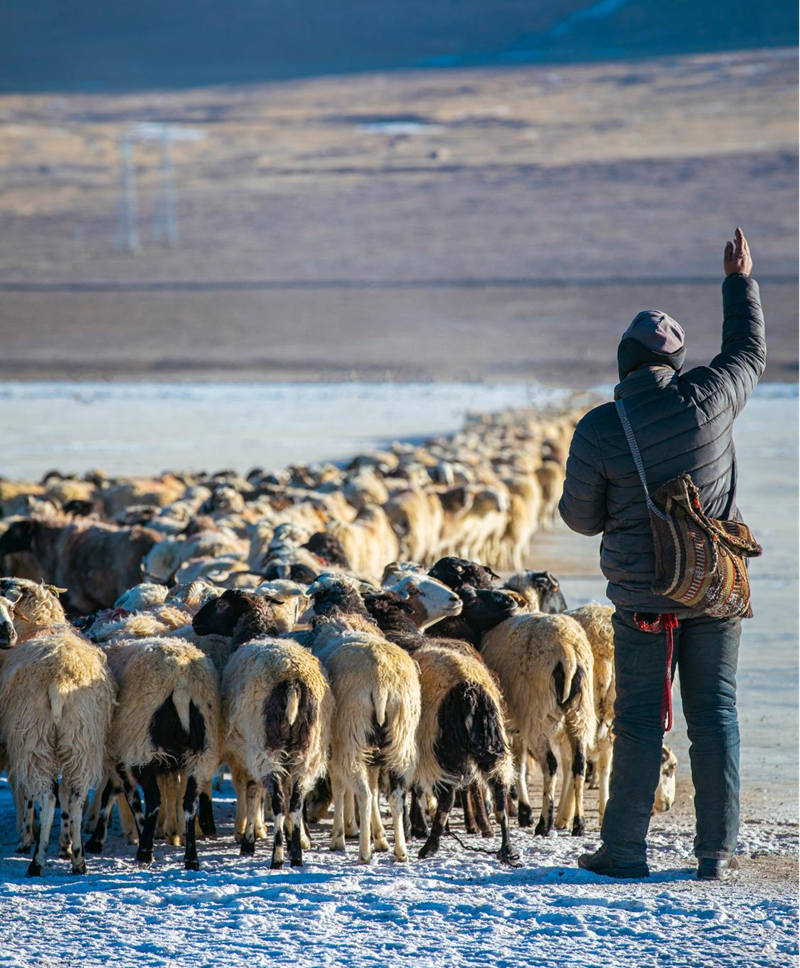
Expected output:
{"points": [[314, 631]]}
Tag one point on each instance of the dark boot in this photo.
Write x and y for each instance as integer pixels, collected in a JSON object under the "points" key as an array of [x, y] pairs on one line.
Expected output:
{"points": [[601, 862]]}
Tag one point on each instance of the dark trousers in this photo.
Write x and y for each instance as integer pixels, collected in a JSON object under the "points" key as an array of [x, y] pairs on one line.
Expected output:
{"points": [[706, 653]]}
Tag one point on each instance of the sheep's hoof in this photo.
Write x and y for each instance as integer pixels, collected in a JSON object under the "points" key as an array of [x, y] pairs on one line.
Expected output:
{"points": [[380, 846], [144, 858], [247, 847], [524, 815], [65, 853], [509, 856], [276, 865], [578, 827], [296, 860], [34, 869], [542, 830], [80, 869], [337, 843], [24, 848], [365, 860], [487, 833], [191, 864], [428, 849], [93, 846], [261, 832], [401, 858]]}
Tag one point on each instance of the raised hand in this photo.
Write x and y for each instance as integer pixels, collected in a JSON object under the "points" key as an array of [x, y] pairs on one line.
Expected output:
{"points": [[737, 255]]}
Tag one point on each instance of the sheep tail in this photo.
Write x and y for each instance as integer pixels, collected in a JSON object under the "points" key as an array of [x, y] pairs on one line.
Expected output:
{"points": [[566, 677], [292, 702], [379, 699], [181, 700], [56, 698]]}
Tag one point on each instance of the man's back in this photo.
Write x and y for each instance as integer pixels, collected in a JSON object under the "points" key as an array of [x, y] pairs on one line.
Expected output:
{"points": [[683, 423]]}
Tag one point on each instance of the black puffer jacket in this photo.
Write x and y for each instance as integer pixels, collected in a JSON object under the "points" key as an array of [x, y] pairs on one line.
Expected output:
{"points": [[682, 423]]}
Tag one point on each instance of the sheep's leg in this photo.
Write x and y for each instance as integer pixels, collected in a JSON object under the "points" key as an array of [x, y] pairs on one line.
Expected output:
{"points": [[337, 830], [363, 796], [152, 804], [350, 822], [296, 818], [578, 771], [549, 765], [26, 834], [190, 799], [132, 797], [397, 798], [278, 800], [205, 814], [253, 797], [65, 836], [507, 854], [513, 800], [467, 800], [127, 821], [603, 770], [524, 813], [566, 802], [481, 816], [47, 805], [171, 784], [419, 823], [443, 808], [380, 843], [111, 790], [75, 816]]}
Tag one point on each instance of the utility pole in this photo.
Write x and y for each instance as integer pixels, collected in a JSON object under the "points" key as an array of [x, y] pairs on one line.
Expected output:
{"points": [[165, 221], [127, 234]]}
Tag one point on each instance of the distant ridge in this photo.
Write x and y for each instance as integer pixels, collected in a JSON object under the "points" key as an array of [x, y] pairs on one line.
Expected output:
{"points": [[105, 45]]}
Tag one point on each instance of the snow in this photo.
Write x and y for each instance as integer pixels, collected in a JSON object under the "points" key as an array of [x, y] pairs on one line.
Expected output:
{"points": [[457, 909]]}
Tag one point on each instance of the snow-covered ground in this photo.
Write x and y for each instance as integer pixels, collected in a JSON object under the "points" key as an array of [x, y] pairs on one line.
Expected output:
{"points": [[456, 909]]}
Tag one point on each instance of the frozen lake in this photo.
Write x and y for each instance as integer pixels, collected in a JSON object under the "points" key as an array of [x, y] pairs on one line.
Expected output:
{"points": [[144, 428]]}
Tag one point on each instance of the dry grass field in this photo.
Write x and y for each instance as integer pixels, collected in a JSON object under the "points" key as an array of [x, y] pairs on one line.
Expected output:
{"points": [[498, 223]]}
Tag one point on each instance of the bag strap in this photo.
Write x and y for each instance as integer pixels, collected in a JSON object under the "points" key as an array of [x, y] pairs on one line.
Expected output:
{"points": [[637, 459]]}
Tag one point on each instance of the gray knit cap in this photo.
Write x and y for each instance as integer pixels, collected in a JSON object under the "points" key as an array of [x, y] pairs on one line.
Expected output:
{"points": [[657, 331]]}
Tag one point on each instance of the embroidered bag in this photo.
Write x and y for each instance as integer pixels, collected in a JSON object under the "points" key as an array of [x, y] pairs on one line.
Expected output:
{"points": [[699, 561]]}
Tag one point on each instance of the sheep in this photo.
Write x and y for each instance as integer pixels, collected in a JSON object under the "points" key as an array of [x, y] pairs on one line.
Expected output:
{"points": [[277, 709], [368, 540], [545, 667], [166, 721], [57, 697], [665, 791], [430, 599], [95, 562], [595, 619], [540, 589], [377, 693], [455, 572], [461, 735]]}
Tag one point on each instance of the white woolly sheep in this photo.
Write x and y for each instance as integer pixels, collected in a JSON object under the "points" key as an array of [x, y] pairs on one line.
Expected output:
{"points": [[56, 696], [277, 710], [377, 692], [544, 664], [167, 720]]}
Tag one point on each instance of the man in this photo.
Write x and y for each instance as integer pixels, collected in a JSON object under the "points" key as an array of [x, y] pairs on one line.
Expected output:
{"points": [[682, 422]]}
